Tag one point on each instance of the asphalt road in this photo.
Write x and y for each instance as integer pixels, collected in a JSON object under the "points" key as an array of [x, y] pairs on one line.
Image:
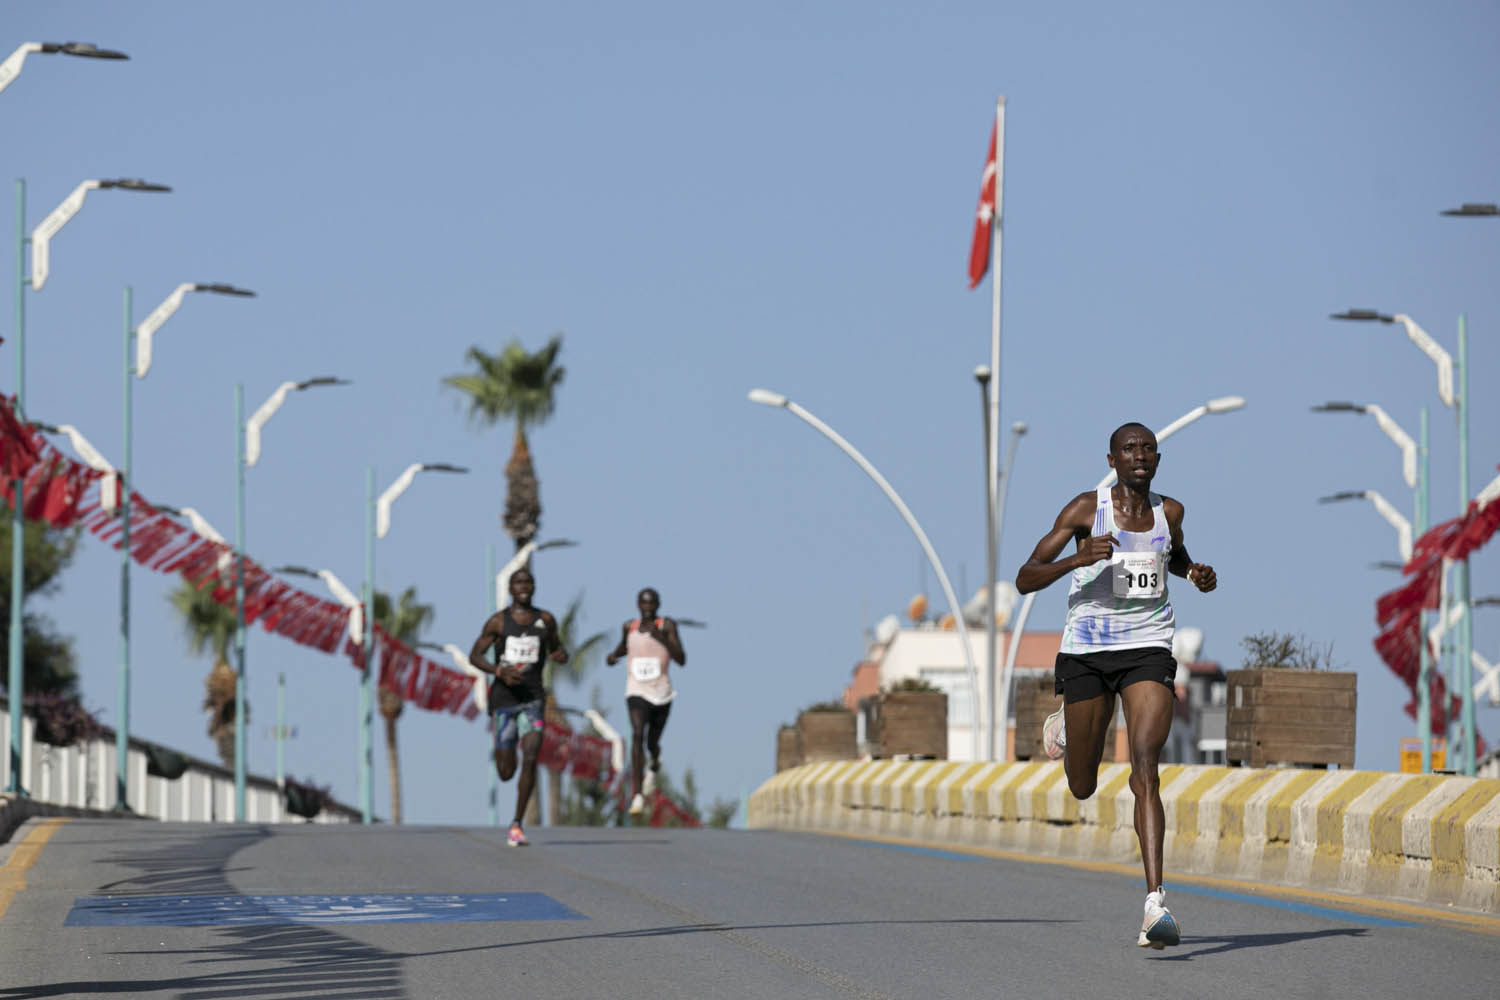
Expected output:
{"points": [[126, 908]]}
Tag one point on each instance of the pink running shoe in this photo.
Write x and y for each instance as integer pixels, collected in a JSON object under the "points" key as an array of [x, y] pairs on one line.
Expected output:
{"points": [[516, 837], [1054, 736]]}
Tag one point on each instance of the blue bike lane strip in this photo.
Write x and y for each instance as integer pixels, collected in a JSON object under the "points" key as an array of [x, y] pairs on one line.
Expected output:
{"points": [[319, 908]]}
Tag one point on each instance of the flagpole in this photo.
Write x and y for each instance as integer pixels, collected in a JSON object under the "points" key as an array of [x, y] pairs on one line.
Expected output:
{"points": [[996, 708]]}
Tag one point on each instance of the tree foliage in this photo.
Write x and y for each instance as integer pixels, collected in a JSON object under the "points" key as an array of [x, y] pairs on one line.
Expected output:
{"points": [[520, 384], [47, 661]]}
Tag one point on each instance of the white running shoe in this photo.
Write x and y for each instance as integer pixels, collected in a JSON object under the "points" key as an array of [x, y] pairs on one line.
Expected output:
{"points": [[1054, 735], [637, 804], [649, 784], [1159, 928]]}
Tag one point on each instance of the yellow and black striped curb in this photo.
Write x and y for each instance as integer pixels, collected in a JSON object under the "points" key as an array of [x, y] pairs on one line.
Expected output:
{"points": [[1430, 838]]}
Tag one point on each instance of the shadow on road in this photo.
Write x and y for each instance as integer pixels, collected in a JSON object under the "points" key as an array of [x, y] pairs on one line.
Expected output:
{"points": [[676, 929], [298, 959], [1234, 942]]}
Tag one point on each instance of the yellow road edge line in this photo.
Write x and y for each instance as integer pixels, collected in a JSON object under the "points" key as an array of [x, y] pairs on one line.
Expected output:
{"points": [[13, 875], [1479, 923]]}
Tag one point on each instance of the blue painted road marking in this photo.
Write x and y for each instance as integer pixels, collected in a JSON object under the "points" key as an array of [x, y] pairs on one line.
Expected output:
{"points": [[323, 908]]}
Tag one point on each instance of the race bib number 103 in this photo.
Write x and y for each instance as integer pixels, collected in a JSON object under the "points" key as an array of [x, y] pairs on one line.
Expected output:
{"points": [[1139, 574]]}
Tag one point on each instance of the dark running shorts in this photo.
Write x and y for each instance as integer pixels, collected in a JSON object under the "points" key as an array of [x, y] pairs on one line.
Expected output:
{"points": [[1079, 677]]}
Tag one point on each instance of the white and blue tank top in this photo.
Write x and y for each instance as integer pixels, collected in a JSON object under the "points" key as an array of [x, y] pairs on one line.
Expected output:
{"points": [[1121, 602]]}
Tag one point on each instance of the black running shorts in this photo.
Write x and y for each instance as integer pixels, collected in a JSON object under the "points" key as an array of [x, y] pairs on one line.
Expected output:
{"points": [[1082, 676]]}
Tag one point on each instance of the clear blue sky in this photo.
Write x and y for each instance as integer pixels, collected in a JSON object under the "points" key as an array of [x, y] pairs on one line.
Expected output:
{"points": [[707, 199]]}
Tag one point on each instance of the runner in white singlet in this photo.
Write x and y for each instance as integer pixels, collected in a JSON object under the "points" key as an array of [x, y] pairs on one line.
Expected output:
{"points": [[1118, 640], [648, 645]]}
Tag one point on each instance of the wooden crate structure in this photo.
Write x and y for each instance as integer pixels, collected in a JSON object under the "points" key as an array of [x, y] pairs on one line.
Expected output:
{"points": [[1282, 716], [911, 723], [1034, 702], [826, 736], [788, 748]]}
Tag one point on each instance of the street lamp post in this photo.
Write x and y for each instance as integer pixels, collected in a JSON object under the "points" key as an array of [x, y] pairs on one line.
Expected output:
{"points": [[11, 67], [247, 453], [1459, 402], [1223, 404], [41, 241], [377, 524], [139, 337], [768, 398], [1414, 471]]}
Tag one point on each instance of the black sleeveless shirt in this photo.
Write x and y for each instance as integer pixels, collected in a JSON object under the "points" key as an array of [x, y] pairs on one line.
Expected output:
{"points": [[525, 646]]}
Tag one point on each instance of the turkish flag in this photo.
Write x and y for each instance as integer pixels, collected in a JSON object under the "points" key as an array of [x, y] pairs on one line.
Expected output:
{"points": [[979, 253]]}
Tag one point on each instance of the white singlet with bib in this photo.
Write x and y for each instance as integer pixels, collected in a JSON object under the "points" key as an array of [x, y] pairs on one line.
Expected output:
{"points": [[647, 660], [1121, 602]]}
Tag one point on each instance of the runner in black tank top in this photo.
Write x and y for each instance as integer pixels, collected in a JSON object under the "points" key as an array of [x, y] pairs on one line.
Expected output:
{"points": [[523, 638]]}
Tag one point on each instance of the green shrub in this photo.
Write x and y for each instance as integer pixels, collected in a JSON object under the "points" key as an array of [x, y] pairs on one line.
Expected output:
{"points": [[913, 684], [1276, 650], [827, 706]]}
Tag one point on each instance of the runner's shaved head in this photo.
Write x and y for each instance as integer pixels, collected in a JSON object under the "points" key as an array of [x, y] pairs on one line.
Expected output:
{"points": [[1115, 437]]}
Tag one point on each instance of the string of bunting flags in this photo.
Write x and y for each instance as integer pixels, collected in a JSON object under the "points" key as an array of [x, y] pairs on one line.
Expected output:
{"points": [[55, 489], [1398, 612]]}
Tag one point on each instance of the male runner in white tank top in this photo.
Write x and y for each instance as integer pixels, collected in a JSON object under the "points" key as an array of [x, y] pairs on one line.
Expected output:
{"points": [[651, 643], [1118, 640]]}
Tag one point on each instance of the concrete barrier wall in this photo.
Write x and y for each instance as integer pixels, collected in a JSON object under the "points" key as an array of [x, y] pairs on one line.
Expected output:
{"points": [[1429, 838]]}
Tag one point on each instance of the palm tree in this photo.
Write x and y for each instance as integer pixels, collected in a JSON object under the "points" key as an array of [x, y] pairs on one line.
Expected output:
{"points": [[515, 383], [583, 656], [210, 626], [404, 622]]}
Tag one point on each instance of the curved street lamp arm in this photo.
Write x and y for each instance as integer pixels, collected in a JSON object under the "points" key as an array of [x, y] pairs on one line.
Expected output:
{"points": [[259, 417], [1433, 350], [502, 578], [109, 486], [1396, 520], [1403, 441], [481, 694], [41, 236], [346, 597], [11, 68], [932, 557], [616, 744], [152, 323], [383, 505], [1489, 682]]}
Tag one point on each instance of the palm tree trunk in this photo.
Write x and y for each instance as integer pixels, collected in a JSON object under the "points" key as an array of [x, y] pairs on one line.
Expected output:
{"points": [[392, 761], [523, 497]]}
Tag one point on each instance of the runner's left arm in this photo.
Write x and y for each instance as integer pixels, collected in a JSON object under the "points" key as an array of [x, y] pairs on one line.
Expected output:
{"points": [[673, 641], [558, 654], [1180, 563]]}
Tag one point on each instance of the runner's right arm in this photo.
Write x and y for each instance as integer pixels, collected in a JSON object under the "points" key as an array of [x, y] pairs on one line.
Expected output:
{"points": [[618, 652], [488, 636], [1075, 522]]}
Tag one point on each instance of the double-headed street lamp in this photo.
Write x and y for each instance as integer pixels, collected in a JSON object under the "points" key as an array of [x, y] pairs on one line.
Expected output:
{"points": [[41, 242], [768, 398], [1223, 404], [246, 453], [139, 337], [377, 524], [1458, 401], [11, 67], [1414, 471]]}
